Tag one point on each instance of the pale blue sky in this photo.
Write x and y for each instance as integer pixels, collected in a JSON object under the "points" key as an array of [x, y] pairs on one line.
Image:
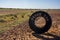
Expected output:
{"points": [[35, 4]]}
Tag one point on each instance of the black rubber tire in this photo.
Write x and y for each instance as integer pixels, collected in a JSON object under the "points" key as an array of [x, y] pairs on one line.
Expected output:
{"points": [[47, 18]]}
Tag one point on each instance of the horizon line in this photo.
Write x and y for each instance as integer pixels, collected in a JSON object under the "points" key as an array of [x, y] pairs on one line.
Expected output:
{"points": [[28, 8]]}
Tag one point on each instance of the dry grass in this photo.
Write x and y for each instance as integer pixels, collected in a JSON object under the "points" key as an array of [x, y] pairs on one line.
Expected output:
{"points": [[23, 32], [8, 19]]}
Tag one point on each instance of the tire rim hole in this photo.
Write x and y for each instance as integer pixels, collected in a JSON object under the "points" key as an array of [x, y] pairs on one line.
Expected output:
{"points": [[40, 22]]}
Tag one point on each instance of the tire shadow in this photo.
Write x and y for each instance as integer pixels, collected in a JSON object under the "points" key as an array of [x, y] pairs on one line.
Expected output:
{"points": [[55, 37]]}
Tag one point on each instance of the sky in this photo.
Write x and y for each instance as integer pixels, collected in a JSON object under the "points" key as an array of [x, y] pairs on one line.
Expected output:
{"points": [[30, 4]]}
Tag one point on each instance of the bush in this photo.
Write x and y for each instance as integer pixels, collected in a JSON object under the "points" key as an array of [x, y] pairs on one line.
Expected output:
{"points": [[2, 21]]}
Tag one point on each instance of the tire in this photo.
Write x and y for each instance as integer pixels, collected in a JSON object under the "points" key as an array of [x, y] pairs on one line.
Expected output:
{"points": [[47, 18]]}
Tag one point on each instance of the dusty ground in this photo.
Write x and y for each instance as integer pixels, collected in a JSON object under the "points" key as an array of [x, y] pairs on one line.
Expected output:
{"points": [[23, 31]]}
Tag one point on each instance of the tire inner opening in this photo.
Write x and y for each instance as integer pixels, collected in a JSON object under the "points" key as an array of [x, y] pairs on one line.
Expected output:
{"points": [[40, 22]]}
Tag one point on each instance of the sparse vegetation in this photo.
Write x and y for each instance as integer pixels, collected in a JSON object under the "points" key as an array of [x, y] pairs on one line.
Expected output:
{"points": [[12, 17], [7, 20]]}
